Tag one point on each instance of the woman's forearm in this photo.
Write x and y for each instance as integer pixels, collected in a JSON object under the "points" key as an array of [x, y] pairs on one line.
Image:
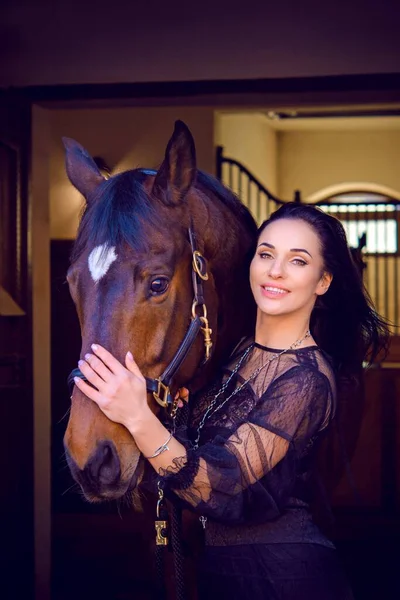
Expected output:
{"points": [[149, 434]]}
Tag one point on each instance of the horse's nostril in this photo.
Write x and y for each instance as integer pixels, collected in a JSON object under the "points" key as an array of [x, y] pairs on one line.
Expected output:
{"points": [[104, 466]]}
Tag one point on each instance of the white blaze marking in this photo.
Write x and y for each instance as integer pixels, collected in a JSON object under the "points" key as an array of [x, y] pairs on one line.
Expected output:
{"points": [[100, 261]]}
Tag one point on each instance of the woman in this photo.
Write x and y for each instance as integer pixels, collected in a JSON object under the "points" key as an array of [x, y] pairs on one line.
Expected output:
{"points": [[247, 467]]}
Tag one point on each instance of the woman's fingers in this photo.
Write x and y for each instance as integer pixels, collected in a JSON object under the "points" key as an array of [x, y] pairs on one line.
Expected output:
{"points": [[91, 375], [184, 394], [93, 364], [108, 359], [86, 389], [118, 391], [132, 366]]}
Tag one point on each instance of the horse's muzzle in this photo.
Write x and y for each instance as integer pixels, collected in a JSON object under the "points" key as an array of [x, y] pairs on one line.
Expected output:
{"points": [[101, 476]]}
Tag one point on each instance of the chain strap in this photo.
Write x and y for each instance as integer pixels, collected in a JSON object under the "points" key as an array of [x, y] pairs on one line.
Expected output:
{"points": [[242, 385]]}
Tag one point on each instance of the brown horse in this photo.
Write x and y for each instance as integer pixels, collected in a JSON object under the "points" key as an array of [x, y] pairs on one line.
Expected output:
{"points": [[136, 267]]}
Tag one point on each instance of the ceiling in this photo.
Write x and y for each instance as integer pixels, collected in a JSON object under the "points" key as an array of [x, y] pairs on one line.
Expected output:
{"points": [[338, 118]]}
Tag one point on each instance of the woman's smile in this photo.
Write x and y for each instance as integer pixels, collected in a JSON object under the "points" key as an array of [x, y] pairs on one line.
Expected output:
{"points": [[274, 291]]}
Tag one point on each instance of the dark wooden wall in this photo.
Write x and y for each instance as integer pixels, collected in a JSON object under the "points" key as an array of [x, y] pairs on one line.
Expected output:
{"points": [[16, 409]]}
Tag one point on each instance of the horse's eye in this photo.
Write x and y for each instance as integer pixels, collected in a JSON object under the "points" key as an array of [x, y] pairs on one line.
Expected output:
{"points": [[159, 285]]}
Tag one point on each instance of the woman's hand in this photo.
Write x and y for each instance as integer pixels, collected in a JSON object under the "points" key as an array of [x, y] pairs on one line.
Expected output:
{"points": [[182, 395], [120, 392]]}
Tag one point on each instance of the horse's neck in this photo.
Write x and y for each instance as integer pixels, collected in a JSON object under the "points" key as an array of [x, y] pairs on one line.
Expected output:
{"points": [[227, 242]]}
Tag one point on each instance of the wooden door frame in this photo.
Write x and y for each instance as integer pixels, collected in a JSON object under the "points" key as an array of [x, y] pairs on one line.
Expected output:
{"points": [[40, 272], [360, 89]]}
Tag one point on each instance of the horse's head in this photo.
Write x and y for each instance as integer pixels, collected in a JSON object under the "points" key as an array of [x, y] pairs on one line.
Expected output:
{"points": [[357, 254], [131, 279]]}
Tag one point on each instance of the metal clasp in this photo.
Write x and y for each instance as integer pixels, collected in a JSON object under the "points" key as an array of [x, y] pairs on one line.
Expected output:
{"points": [[161, 526], [198, 263], [165, 391], [161, 530], [207, 331]]}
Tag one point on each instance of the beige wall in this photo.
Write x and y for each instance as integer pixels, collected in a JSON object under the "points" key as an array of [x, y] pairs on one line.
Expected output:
{"points": [[126, 138], [248, 138], [313, 160]]}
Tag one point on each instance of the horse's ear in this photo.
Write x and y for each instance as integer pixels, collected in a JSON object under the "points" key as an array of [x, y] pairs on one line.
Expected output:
{"points": [[82, 171], [178, 170]]}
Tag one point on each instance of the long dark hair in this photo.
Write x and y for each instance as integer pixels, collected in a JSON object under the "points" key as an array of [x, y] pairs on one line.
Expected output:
{"points": [[344, 322]]}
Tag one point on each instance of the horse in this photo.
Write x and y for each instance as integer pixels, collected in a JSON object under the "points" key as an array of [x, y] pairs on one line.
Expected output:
{"points": [[160, 267]]}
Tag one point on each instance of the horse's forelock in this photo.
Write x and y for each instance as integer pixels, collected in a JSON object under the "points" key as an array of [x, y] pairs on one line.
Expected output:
{"points": [[119, 215]]}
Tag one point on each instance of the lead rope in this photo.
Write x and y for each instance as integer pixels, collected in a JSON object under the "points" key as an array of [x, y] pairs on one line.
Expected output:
{"points": [[163, 536], [176, 526], [177, 549], [161, 526], [160, 591], [178, 554]]}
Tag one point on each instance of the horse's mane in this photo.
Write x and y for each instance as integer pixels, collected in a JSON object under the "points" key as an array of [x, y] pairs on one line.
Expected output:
{"points": [[228, 198], [122, 205]]}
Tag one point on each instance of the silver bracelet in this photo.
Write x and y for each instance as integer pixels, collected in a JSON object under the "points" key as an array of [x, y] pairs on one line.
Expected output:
{"points": [[161, 449]]}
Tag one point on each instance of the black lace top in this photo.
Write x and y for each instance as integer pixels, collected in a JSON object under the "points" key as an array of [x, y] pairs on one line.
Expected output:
{"points": [[250, 474]]}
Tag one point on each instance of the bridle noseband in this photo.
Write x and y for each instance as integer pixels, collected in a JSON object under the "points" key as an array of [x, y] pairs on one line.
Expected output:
{"points": [[160, 387]]}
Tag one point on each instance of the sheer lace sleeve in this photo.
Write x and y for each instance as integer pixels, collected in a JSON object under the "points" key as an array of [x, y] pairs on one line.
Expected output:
{"points": [[249, 472]]}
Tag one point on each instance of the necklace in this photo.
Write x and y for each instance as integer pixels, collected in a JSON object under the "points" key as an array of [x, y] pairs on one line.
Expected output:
{"points": [[210, 408]]}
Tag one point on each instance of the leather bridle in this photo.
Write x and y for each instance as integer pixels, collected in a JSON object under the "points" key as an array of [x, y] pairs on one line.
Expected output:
{"points": [[160, 387]]}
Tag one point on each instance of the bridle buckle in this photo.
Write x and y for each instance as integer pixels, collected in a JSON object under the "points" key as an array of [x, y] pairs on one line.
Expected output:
{"points": [[162, 394], [199, 265]]}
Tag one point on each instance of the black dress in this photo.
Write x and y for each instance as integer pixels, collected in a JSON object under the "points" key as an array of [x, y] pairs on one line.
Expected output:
{"points": [[250, 477]]}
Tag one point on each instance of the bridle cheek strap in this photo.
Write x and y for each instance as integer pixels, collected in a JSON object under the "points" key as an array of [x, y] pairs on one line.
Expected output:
{"points": [[160, 387]]}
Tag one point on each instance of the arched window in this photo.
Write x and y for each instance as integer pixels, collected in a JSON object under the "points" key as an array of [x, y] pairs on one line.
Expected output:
{"points": [[369, 215], [372, 223]]}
